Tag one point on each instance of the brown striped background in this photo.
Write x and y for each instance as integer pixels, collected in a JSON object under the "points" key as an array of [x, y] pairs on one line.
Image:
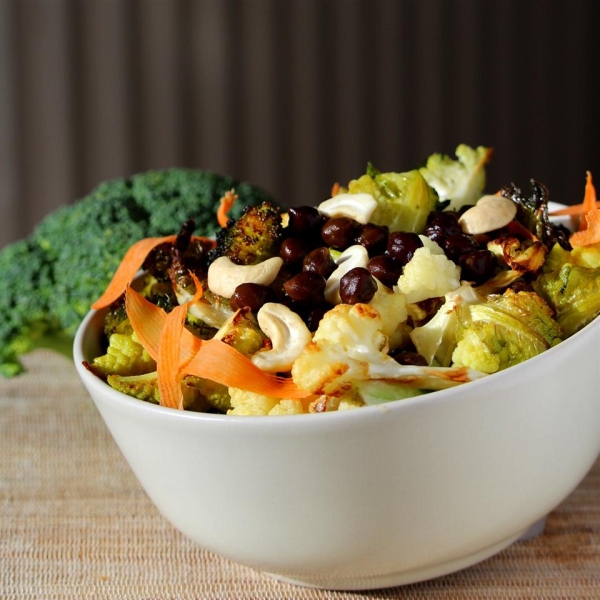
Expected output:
{"points": [[290, 94]]}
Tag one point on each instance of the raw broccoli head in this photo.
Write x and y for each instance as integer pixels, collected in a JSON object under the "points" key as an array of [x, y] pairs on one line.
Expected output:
{"points": [[51, 279], [24, 294]]}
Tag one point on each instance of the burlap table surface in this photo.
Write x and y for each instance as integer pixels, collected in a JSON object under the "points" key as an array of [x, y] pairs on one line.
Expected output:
{"points": [[75, 524]]}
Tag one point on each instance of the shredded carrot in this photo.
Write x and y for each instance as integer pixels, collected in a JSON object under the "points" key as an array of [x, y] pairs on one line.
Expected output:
{"points": [[222, 363], [132, 261], [148, 322], [226, 202], [570, 211], [589, 225], [211, 359], [169, 364], [130, 265], [589, 203], [335, 190], [591, 234]]}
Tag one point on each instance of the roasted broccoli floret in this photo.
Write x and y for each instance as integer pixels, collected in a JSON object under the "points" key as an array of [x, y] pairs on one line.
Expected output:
{"points": [[173, 260], [116, 320], [200, 395], [252, 238], [214, 396], [532, 212], [520, 255], [50, 279]]}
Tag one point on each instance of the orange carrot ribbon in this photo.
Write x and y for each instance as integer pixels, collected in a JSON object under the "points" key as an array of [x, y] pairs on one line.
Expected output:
{"points": [[591, 234], [589, 226], [169, 363], [226, 202], [132, 262], [210, 359], [589, 203]]}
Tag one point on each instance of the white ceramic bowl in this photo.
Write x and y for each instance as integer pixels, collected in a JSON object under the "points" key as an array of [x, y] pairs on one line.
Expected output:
{"points": [[379, 496]]}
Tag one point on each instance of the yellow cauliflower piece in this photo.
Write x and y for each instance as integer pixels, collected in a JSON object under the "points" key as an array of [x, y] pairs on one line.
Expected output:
{"points": [[428, 275], [251, 404], [393, 312], [587, 256], [358, 326], [287, 407], [124, 356], [473, 351], [351, 400]]}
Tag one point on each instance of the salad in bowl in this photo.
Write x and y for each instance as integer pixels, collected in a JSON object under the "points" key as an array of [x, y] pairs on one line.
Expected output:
{"points": [[432, 350], [398, 285]]}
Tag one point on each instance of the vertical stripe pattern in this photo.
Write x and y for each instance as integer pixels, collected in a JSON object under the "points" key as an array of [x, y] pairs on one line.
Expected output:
{"points": [[290, 94]]}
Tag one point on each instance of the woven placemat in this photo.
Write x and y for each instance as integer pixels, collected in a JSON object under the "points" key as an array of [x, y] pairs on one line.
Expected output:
{"points": [[74, 523]]}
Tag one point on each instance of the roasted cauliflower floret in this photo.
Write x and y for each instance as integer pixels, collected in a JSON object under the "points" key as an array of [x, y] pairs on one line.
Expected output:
{"points": [[124, 356], [428, 275], [349, 348], [244, 403]]}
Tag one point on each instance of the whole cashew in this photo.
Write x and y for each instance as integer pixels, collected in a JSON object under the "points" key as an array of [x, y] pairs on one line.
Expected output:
{"points": [[359, 207], [288, 334], [224, 275], [354, 256], [490, 213]]}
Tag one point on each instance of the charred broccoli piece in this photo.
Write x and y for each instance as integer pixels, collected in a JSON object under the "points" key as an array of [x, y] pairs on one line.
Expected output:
{"points": [[532, 213], [242, 332], [214, 396], [116, 320], [185, 254], [251, 239], [199, 395], [50, 279]]}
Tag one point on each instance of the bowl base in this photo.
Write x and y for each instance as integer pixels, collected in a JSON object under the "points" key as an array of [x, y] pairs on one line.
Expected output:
{"points": [[407, 577]]}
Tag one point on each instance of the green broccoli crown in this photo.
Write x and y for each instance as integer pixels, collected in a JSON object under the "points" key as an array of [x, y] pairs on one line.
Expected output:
{"points": [[51, 279], [24, 294]]}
